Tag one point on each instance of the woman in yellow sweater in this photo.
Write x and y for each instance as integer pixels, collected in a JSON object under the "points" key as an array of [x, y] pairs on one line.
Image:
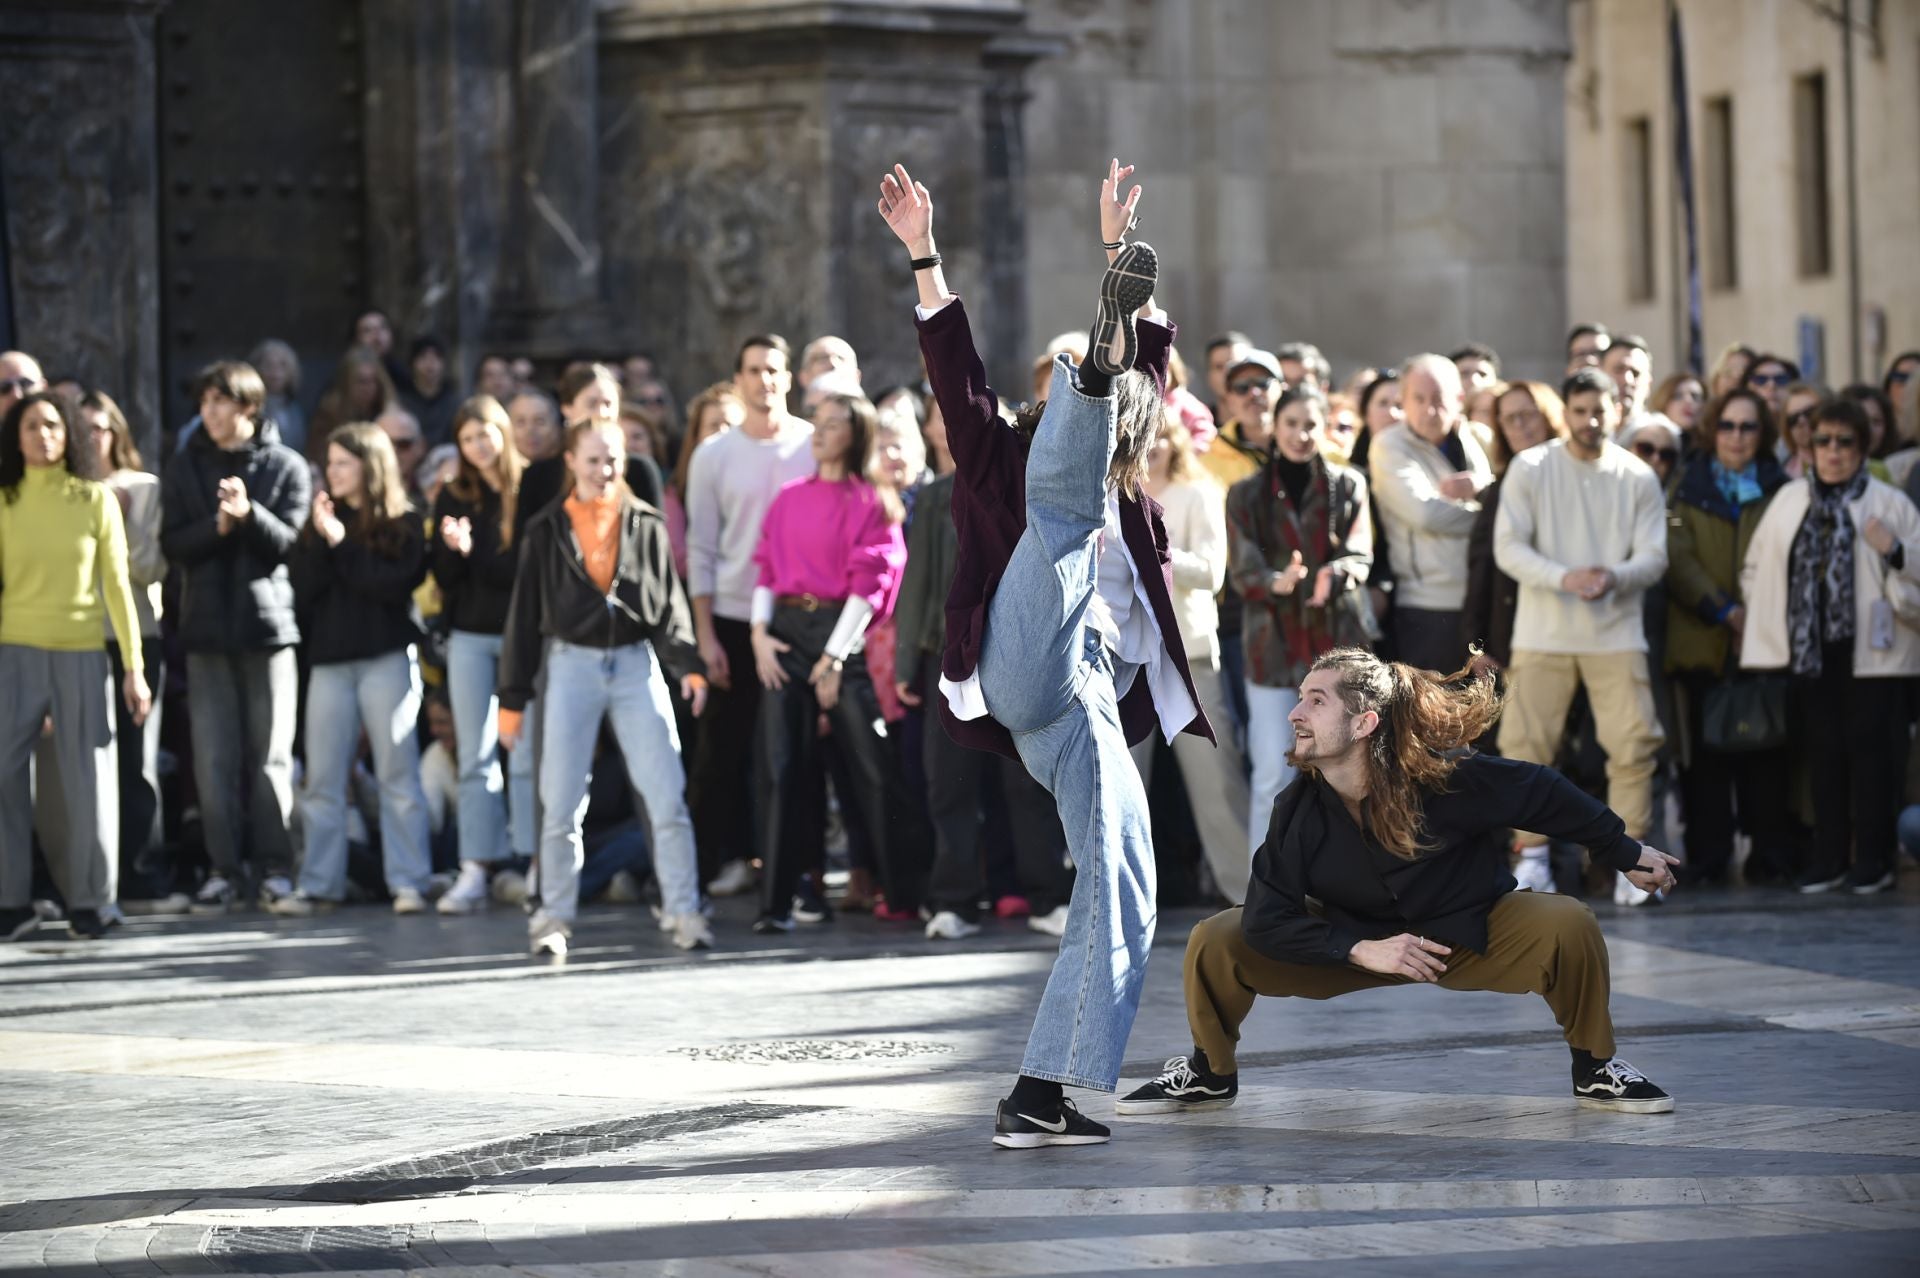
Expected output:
{"points": [[63, 564]]}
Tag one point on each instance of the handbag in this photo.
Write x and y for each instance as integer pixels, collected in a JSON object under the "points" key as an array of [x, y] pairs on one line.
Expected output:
{"points": [[1744, 714]]}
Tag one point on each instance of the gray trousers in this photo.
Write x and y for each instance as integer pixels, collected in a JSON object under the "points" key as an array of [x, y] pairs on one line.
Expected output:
{"points": [[243, 708], [74, 690]]}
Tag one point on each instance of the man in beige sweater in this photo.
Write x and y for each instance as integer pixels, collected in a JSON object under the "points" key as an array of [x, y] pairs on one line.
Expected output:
{"points": [[1582, 527]]}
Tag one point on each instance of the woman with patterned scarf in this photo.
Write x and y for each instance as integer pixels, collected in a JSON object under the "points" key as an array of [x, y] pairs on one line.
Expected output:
{"points": [[1300, 539], [1832, 583]]}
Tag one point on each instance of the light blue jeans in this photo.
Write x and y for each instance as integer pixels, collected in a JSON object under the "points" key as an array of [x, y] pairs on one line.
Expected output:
{"points": [[1269, 737], [627, 687], [381, 694], [493, 825], [1051, 682]]}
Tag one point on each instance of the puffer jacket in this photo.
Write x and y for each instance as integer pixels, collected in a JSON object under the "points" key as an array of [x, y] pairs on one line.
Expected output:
{"points": [[1707, 539], [235, 593]]}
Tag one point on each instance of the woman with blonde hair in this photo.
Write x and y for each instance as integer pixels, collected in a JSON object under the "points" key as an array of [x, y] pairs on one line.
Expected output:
{"points": [[354, 569], [1681, 396], [1195, 511], [475, 558], [362, 389], [1730, 370]]}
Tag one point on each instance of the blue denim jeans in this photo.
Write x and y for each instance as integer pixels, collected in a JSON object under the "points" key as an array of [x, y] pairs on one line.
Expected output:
{"points": [[494, 824], [627, 687], [1051, 682], [381, 694]]}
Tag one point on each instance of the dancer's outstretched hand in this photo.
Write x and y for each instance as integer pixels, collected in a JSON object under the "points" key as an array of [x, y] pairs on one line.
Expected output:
{"points": [[1116, 212], [908, 210]]}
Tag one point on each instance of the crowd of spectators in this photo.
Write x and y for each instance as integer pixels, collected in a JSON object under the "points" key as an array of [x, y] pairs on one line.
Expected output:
{"points": [[449, 644]]}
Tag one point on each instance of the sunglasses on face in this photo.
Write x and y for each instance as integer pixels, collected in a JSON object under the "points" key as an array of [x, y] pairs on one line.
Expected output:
{"points": [[1743, 428], [1801, 418], [18, 386], [1845, 443], [1769, 379], [1247, 385], [1647, 452], [1899, 376]]}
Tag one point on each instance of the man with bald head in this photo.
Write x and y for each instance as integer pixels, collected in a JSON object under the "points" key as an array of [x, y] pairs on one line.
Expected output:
{"points": [[1427, 479], [20, 376]]}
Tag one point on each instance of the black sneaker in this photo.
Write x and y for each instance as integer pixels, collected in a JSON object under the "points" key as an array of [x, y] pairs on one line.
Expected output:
{"points": [[1865, 880], [86, 925], [19, 924], [1618, 1086], [1063, 1124], [1185, 1084], [810, 903], [1125, 288], [772, 924], [1816, 881]]}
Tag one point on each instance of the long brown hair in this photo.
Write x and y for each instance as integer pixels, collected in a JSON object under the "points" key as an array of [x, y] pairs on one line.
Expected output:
{"points": [[124, 455], [468, 484], [1425, 720], [718, 395], [336, 408], [382, 516], [1546, 401], [1138, 404]]}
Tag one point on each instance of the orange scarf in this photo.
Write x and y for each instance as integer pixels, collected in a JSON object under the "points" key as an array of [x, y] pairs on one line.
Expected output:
{"points": [[596, 526]]}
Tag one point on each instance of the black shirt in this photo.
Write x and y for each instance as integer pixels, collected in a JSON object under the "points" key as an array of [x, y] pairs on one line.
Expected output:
{"points": [[1314, 849]]}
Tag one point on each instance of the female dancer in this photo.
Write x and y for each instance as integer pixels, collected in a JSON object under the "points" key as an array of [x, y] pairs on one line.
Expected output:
{"points": [[597, 592], [1064, 641]]}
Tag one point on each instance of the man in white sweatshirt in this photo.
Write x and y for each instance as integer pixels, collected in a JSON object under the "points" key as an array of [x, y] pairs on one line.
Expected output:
{"points": [[1583, 528]]}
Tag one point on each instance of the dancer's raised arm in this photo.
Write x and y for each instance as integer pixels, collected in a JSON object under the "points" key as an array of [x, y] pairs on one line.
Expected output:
{"points": [[908, 210]]}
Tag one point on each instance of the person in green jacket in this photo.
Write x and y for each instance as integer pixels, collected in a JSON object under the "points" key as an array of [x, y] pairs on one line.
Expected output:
{"points": [[63, 559], [1721, 495]]}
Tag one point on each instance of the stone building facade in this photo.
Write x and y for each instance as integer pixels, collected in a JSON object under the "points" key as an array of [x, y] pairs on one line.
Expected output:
{"points": [[566, 177], [1796, 255]]}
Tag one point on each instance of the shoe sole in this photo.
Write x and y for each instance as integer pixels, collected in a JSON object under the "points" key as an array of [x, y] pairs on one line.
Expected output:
{"points": [[1040, 1140], [446, 905], [1125, 288], [1870, 889], [1663, 1106], [1170, 1106]]}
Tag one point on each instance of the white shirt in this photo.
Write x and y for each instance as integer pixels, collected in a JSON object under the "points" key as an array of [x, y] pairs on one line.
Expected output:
{"points": [[731, 482]]}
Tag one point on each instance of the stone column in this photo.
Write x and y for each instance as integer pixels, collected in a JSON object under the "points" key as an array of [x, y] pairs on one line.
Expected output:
{"points": [[742, 144], [78, 158]]}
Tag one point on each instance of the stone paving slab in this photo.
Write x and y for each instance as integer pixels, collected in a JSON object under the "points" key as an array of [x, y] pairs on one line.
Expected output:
{"points": [[362, 1094]]}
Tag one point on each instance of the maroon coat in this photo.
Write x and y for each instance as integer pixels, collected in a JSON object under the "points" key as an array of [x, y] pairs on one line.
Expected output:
{"points": [[990, 514]]}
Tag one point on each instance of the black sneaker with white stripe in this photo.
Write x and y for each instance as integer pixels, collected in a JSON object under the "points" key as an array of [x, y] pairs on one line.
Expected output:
{"points": [[1058, 1124], [1618, 1086], [1185, 1084]]}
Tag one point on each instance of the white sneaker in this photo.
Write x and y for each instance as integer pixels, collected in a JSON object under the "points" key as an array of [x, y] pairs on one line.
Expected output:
{"points": [[111, 914], [735, 877], [1534, 872], [691, 932], [216, 896], [622, 889], [409, 901], [298, 905], [949, 926], [547, 935], [468, 894], [1053, 923], [1625, 893], [510, 888], [273, 888]]}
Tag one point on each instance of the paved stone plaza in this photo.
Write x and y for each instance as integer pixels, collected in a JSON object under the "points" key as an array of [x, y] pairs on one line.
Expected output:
{"points": [[365, 1093]]}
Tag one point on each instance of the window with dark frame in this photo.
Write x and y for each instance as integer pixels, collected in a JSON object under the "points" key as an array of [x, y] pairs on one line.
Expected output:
{"points": [[1638, 191], [1717, 198], [1813, 222]]}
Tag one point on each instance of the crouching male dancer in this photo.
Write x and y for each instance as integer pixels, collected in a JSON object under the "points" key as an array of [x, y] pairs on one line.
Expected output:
{"points": [[1378, 870], [1062, 643]]}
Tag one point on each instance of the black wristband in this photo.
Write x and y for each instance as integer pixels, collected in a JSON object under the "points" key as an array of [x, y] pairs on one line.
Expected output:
{"points": [[926, 263], [1114, 247]]}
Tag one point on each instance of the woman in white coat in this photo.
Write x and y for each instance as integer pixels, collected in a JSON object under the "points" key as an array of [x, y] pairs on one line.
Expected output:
{"points": [[1832, 583], [1216, 780]]}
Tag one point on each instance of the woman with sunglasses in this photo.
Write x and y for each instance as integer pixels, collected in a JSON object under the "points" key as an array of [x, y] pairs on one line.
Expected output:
{"points": [[1722, 494], [1795, 414], [1657, 440], [1771, 375], [1831, 578]]}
